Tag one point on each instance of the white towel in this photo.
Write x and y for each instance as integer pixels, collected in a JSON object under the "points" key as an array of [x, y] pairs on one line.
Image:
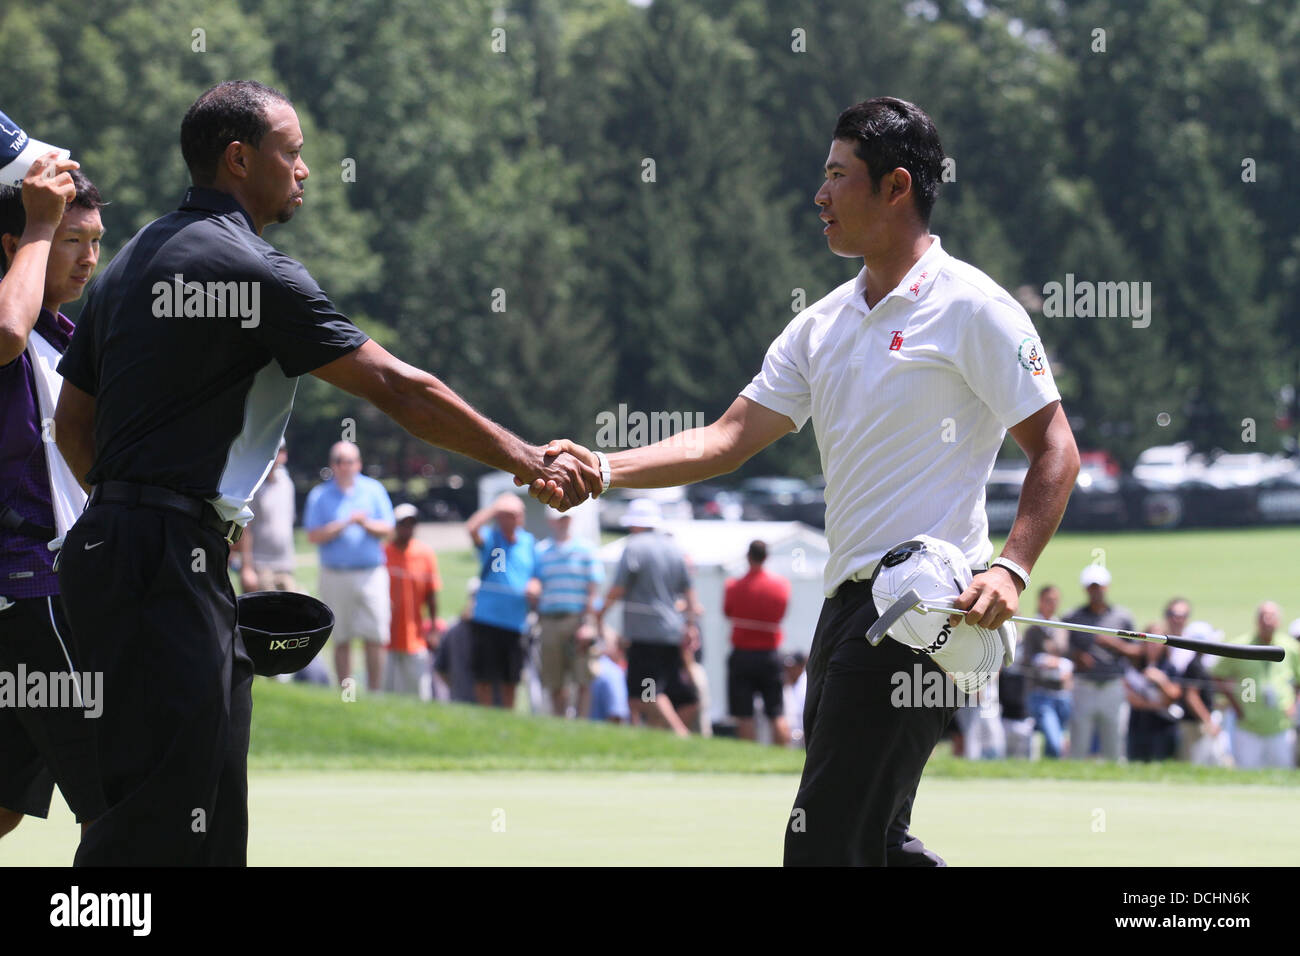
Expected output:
{"points": [[65, 492]]}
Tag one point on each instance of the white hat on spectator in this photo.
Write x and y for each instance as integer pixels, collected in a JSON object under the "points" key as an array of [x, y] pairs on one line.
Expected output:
{"points": [[642, 513], [405, 511], [1095, 574], [1202, 631]]}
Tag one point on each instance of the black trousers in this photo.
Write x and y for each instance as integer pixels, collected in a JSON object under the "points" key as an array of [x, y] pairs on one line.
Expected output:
{"points": [[41, 746], [149, 601], [864, 755]]}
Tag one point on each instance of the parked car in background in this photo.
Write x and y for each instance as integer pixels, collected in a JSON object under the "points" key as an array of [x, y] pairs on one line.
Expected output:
{"points": [[775, 498], [1096, 501], [673, 504], [1167, 466], [1244, 470], [1002, 495], [714, 502], [1277, 499], [812, 511]]}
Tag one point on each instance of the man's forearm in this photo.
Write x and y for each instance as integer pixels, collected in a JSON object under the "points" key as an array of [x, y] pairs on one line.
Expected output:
{"points": [[77, 446], [693, 455], [427, 408], [23, 289], [477, 520], [1043, 498], [327, 532]]}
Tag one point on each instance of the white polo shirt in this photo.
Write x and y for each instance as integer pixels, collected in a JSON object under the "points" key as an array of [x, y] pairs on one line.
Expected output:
{"points": [[910, 402]]}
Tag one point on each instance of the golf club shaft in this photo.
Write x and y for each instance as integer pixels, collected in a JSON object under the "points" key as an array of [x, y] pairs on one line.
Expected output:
{"points": [[1249, 652]]}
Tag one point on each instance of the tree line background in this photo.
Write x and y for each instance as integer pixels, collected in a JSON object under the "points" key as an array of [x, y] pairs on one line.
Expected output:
{"points": [[504, 147]]}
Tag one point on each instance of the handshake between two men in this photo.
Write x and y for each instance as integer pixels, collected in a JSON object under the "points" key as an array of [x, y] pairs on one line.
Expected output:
{"points": [[570, 473]]}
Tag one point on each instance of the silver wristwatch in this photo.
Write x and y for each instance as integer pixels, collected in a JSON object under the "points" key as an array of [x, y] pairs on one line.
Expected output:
{"points": [[1014, 568], [603, 461]]}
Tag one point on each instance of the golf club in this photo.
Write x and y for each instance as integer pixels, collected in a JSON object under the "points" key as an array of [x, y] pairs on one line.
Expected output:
{"points": [[1248, 652]]}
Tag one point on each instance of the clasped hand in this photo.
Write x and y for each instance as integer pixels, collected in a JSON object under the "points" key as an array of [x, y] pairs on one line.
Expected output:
{"points": [[567, 474]]}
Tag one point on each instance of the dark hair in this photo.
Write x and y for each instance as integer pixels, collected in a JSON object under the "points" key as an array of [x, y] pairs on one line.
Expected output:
{"points": [[1178, 600], [889, 133], [234, 111], [758, 551], [13, 217], [1047, 587]]}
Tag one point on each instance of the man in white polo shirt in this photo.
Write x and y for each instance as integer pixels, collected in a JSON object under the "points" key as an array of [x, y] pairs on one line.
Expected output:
{"points": [[912, 374]]}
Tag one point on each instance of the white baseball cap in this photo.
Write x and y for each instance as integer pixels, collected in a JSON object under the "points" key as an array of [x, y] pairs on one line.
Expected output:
{"points": [[18, 151], [938, 571], [404, 511], [642, 513], [1095, 574]]}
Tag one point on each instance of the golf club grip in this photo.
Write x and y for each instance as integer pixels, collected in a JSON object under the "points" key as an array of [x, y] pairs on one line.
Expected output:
{"points": [[1245, 652]]}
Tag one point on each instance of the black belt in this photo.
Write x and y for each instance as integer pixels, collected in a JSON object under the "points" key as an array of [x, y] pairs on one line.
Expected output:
{"points": [[11, 520], [150, 496]]}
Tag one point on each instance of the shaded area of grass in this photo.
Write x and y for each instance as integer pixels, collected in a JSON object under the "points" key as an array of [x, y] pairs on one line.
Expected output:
{"points": [[300, 727]]}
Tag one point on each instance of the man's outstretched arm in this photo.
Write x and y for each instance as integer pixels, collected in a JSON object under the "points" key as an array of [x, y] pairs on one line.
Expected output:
{"points": [[431, 411], [745, 429]]}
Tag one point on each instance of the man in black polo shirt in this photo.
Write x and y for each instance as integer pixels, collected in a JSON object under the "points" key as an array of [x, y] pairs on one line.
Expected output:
{"points": [[178, 383]]}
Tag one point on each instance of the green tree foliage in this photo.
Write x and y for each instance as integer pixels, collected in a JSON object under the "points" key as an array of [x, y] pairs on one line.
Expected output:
{"points": [[482, 200]]}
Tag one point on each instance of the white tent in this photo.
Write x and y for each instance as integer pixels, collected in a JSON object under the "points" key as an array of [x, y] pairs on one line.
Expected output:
{"points": [[716, 550]]}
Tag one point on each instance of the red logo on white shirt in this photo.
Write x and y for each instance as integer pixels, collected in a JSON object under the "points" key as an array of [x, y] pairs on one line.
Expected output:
{"points": [[896, 342], [915, 287]]}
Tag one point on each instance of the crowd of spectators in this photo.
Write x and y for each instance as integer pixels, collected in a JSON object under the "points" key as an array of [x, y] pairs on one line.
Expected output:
{"points": [[1078, 695], [535, 617]]}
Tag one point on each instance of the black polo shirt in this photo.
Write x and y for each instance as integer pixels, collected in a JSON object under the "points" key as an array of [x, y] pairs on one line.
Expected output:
{"points": [[194, 377]]}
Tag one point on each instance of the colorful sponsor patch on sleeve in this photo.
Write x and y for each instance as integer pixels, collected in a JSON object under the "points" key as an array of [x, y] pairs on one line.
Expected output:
{"points": [[1031, 356]]}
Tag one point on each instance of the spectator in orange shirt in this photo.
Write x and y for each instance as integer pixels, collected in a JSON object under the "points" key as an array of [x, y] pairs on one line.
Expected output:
{"points": [[413, 587], [755, 604]]}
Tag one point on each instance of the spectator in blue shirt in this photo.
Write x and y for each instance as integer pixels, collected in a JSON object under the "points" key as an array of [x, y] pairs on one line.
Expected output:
{"points": [[567, 574], [507, 558], [609, 684], [349, 517]]}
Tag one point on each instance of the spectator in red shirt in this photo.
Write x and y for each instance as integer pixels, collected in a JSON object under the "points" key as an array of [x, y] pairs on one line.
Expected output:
{"points": [[755, 604]]}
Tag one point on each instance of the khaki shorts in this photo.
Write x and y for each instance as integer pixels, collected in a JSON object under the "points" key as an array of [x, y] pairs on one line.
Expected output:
{"points": [[360, 601], [268, 580], [409, 674], [561, 661]]}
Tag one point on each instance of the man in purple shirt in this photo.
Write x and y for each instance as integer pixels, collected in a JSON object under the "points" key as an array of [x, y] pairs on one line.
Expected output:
{"points": [[50, 232]]}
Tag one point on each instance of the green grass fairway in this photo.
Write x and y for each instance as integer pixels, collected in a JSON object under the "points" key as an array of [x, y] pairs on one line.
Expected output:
{"points": [[368, 818], [1225, 573], [393, 782]]}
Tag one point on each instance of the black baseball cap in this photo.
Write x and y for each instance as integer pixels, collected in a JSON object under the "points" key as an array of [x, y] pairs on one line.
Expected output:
{"points": [[283, 630]]}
